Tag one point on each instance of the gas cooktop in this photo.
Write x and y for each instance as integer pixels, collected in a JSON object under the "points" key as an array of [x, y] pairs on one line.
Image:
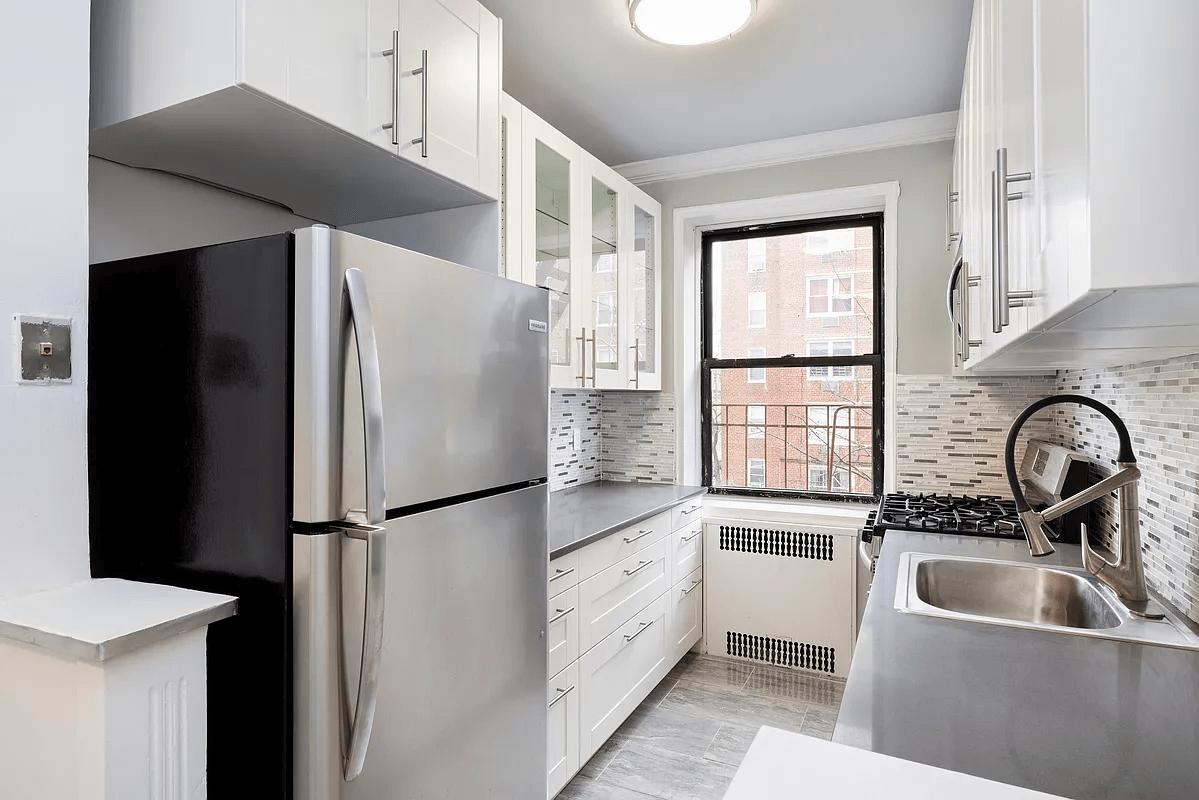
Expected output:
{"points": [[983, 515]]}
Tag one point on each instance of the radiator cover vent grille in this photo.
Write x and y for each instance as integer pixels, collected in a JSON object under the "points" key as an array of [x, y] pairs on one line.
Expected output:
{"points": [[781, 652], [772, 542]]}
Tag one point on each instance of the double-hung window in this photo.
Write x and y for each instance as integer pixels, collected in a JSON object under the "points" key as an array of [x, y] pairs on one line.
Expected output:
{"points": [[802, 413]]}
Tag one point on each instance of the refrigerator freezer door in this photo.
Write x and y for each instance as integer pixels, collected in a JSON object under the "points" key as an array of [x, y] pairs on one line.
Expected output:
{"points": [[461, 704], [463, 361]]}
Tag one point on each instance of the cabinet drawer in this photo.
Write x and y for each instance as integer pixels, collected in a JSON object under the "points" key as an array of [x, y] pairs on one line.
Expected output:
{"points": [[564, 573], [619, 672], [609, 599], [686, 614], [562, 710], [562, 634], [687, 512], [597, 557], [687, 550]]}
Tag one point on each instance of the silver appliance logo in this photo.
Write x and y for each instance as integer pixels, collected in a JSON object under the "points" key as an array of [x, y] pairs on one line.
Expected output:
{"points": [[538, 326]]}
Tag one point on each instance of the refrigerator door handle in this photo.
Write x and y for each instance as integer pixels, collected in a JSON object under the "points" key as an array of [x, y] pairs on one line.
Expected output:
{"points": [[372, 646], [372, 398]]}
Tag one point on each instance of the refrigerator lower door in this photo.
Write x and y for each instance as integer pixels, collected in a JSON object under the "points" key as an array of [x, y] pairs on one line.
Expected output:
{"points": [[461, 702], [462, 361]]}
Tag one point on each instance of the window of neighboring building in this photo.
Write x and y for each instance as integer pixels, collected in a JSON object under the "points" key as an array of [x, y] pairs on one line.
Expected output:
{"points": [[810, 391], [756, 374], [818, 478], [830, 295], [821, 348], [756, 474], [757, 309], [757, 255], [755, 418]]}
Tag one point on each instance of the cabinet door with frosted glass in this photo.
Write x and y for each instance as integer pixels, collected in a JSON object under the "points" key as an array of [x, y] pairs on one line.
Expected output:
{"points": [[552, 172], [609, 352], [645, 291]]}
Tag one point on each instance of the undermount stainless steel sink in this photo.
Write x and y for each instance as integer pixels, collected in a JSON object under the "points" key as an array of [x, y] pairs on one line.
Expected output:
{"points": [[1026, 596]]}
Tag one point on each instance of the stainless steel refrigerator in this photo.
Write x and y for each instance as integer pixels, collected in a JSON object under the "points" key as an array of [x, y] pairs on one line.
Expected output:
{"points": [[352, 438]]}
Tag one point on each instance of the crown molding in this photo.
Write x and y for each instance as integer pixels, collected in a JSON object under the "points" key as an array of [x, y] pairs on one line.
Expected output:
{"points": [[897, 133]]}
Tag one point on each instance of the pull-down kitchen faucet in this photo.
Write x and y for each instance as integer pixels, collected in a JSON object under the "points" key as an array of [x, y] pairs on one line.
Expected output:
{"points": [[1126, 575]]}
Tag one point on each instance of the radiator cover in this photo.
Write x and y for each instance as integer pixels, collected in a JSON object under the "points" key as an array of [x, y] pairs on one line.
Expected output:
{"points": [[780, 594]]}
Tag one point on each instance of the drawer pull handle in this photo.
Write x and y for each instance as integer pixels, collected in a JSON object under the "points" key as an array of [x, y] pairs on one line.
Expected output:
{"points": [[686, 539], [560, 614], [686, 511], [638, 568], [640, 631], [689, 589], [561, 693], [640, 535], [562, 573]]}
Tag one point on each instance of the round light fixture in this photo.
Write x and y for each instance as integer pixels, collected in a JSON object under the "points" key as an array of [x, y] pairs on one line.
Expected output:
{"points": [[689, 22]]}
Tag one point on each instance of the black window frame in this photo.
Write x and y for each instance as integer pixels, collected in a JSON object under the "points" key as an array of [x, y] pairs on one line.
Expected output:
{"points": [[875, 359]]}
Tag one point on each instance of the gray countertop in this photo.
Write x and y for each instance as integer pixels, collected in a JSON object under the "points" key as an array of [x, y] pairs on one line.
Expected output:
{"points": [[1079, 717], [584, 514]]}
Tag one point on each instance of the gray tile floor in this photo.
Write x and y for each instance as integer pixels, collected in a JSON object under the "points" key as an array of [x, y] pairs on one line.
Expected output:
{"points": [[689, 736]]}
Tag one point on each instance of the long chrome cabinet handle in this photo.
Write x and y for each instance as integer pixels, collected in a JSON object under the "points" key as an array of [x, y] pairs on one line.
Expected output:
{"points": [[561, 614], [690, 588], [1001, 298], [685, 539], [690, 510], [372, 396], [594, 353], [372, 646], [638, 568], [561, 693], [423, 71], [636, 348], [644, 627], [561, 573], [394, 52], [582, 340], [640, 535], [967, 342], [951, 197]]}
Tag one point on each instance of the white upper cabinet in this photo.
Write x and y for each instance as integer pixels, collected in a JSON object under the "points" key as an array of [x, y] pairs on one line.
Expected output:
{"points": [[306, 103], [1077, 168], [450, 89], [593, 240]]}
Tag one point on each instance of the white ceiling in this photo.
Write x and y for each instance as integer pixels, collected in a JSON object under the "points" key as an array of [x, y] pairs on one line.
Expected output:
{"points": [[802, 66]]}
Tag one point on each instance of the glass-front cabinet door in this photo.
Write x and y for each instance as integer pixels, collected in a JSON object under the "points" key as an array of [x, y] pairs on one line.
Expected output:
{"points": [[550, 220], [607, 277], [645, 293]]}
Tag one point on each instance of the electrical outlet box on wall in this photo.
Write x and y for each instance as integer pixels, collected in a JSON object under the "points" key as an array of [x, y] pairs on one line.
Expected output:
{"points": [[43, 349]]}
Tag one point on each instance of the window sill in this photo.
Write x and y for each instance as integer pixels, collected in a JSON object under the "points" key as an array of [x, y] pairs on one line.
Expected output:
{"points": [[832, 513]]}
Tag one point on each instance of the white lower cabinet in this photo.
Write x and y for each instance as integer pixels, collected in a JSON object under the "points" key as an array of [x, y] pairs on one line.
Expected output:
{"points": [[562, 699], [686, 614], [608, 599], [622, 612], [618, 673], [562, 633]]}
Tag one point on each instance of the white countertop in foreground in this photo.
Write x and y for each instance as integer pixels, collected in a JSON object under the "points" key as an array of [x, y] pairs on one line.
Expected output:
{"points": [[101, 619], [788, 766]]}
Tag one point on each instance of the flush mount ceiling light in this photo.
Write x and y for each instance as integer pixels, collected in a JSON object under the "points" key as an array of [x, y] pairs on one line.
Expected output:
{"points": [[689, 22]]}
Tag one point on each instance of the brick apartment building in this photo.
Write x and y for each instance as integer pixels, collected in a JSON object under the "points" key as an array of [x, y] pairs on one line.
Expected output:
{"points": [[797, 428]]}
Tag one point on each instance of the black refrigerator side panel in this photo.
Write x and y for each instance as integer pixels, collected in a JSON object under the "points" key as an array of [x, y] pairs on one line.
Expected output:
{"points": [[189, 471]]}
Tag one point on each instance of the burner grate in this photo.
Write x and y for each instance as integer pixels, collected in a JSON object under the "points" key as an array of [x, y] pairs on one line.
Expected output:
{"points": [[983, 515]]}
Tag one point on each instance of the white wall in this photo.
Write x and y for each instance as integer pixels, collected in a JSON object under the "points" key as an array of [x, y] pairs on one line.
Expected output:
{"points": [[923, 264], [468, 235], [43, 239], [138, 211]]}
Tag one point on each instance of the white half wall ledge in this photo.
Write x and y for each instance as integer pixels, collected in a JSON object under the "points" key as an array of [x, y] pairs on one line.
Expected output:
{"points": [[98, 620], [896, 133]]}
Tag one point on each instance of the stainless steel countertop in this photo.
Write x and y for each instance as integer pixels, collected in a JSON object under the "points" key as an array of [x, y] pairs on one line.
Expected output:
{"points": [[1079, 717], [584, 514]]}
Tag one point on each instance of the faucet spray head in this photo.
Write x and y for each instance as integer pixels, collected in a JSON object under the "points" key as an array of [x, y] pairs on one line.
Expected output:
{"points": [[1035, 530]]}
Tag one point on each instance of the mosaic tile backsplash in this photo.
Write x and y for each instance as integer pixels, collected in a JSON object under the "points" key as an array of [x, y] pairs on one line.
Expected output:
{"points": [[1159, 402], [625, 436], [952, 430]]}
